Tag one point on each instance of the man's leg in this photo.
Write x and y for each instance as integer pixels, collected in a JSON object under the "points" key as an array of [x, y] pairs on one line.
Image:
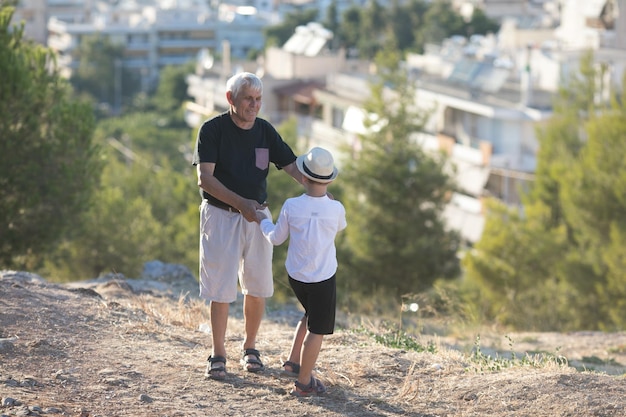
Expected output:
{"points": [[253, 310], [219, 321], [256, 284]]}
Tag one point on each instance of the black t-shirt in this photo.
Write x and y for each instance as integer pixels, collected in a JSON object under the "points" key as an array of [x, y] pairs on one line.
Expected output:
{"points": [[241, 157]]}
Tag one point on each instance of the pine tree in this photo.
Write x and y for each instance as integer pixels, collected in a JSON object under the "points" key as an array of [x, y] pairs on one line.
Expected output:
{"points": [[560, 265], [47, 161], [395, 195]]}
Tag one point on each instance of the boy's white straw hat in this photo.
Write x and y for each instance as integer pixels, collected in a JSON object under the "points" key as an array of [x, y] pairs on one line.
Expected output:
{"points": [[317, 165]]}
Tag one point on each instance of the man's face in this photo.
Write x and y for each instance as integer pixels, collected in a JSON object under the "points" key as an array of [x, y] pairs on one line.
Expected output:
{"points": [[246, 106]]}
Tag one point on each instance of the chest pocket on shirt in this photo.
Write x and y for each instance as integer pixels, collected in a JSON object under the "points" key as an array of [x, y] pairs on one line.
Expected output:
{"points": [[262, 158]]}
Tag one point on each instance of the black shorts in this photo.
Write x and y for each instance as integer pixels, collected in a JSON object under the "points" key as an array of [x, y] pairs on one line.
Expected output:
{"points": [[319, 300]]}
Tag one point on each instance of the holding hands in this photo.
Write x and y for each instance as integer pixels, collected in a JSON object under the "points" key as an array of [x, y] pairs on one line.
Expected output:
{"points": [[260, 215], [250, 209]]}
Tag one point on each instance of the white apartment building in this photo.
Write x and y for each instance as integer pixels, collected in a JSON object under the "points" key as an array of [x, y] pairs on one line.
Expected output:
{"points": [[36, 13], [490, 140], [488, 95], [487, 127], [547, 10], [159, 33], [290, 74]]}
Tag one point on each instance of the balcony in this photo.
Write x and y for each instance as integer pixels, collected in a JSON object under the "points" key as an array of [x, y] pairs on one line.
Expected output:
{"points": [[60, 43], [326, 136], [187, 43], [167, 60], [138, 46]]}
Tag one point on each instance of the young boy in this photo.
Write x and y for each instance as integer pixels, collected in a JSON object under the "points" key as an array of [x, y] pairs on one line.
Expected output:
{"points": [[311, 221]]}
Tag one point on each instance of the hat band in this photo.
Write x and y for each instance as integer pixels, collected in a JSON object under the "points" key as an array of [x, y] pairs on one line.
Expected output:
{"points": [[314, 175]]}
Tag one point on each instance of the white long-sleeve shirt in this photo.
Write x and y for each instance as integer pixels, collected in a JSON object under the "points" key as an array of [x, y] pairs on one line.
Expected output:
{"points": [[311, 224]]}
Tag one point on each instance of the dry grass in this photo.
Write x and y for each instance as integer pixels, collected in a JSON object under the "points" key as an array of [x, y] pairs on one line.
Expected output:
{"points": [[185, 312], [123, 354]]}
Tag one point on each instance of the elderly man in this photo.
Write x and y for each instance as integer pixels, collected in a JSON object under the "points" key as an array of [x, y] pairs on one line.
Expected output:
{"points": [[232, 158]]}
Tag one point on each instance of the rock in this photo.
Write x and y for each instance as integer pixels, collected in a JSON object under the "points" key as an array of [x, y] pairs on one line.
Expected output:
{"points": [[24, 411], [21, 276], [145, 398], [205, 328], [6, 344], [88, 292], [173, 280], [179, 279], [11, 382], [9, 402], [159, 271]]}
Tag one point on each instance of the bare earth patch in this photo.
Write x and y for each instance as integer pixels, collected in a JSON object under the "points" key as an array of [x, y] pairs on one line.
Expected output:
{"points": [[108, 350]]}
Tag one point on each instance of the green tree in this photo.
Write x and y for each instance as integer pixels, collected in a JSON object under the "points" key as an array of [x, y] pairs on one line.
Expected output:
{"points": [[568, 243], [331, 22], [516, 265], [396, 194], [154, 135], [372, 30], [562, 145], [121, 236], [48, 163], [417, 10], [440, 22], [480, 23], [101, 74], [561, 139], [277, 35], [594, 203], [171, 92], [146, 206], [349, 30], [142, 213], [402, 32]]}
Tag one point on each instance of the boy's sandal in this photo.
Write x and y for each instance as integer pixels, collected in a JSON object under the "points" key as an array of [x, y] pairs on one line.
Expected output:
{"points": [[252, 364], [315, 387], [295, 369], [216, 372]]}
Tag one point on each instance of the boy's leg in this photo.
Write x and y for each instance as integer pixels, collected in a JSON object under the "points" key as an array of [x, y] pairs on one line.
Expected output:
{"points": [[296, 344], [319, 303], [310, 351]]}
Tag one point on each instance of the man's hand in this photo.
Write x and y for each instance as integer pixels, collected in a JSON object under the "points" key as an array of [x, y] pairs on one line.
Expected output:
{"points": [[260, 216], [249, 209]]}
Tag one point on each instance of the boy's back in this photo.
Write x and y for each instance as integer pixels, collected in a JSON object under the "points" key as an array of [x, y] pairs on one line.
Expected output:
{"points": [[311, 224]]}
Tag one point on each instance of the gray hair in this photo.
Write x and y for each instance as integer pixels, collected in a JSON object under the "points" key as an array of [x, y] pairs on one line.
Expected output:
{"points": [[241, 80]]}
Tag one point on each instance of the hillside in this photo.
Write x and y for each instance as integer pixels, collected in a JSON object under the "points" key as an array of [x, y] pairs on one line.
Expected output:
{"points": [[109, 348]]}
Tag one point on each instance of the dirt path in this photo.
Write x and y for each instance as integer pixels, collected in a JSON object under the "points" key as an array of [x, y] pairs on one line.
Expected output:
{"points": [[107, 351]]}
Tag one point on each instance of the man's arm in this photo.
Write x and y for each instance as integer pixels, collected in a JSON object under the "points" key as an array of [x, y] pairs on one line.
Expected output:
{"points": [[292, 170], [213, 186]]}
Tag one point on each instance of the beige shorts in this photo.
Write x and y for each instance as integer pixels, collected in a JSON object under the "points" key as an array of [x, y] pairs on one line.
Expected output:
{"points": [[233, 250]]}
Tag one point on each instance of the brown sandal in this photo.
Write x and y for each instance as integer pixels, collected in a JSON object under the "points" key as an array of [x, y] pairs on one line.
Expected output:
{"points": [[256, 361], [295, 369], [315, 387], [217, 372]]}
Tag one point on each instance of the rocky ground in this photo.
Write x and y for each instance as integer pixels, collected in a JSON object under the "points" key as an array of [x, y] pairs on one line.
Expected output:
{"points": [[114, 347]]}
